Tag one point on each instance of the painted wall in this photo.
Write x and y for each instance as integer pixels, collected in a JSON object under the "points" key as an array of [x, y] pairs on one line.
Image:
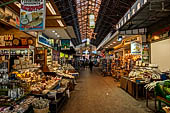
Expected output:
{"points": [[160, 54]]}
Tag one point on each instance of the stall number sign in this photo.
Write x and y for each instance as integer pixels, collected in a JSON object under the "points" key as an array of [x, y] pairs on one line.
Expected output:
{"points": [[32, 15]]}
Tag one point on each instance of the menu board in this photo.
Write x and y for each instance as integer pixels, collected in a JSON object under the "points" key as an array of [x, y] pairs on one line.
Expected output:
{"points": [[32, 15], [65, 44]]}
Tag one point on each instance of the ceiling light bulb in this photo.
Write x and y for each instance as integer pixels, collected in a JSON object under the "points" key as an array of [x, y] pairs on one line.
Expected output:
{"points": [[56, 34], [53, 31], [114, 42]]}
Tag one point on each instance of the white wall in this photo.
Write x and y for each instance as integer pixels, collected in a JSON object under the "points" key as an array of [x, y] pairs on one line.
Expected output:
{"points": [[160, 54]]}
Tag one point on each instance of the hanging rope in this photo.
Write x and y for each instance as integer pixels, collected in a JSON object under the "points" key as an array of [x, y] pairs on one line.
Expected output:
{"points": [[6, 3]]}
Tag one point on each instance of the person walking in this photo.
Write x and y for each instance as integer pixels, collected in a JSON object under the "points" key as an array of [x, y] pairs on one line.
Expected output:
{"points": [[91, 66]]}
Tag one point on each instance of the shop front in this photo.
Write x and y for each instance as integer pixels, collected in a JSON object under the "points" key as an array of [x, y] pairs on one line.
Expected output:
{"points": [[31, 78]]}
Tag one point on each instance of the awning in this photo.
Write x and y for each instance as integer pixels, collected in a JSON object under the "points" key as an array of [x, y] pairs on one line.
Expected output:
{"points": [[149, 13]]}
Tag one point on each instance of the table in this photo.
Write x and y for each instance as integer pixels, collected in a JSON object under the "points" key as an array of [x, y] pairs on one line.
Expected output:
{"points": [[132, 87]]}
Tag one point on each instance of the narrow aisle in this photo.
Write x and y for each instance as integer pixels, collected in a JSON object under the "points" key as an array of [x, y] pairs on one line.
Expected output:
{"points": [[97, 94]]}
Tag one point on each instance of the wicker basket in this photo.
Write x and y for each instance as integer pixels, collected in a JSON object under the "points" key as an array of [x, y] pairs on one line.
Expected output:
{"points": [[45, 110]]}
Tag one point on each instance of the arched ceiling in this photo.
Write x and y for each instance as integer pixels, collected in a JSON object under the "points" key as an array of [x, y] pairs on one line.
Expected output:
{"points": [[107, 14]]}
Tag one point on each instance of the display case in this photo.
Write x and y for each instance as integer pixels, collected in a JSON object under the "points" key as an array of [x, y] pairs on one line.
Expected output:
{"points": [[18, 58]]}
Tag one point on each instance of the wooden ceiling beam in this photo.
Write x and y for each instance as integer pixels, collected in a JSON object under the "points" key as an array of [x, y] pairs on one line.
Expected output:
{"points": [[52, 17]]}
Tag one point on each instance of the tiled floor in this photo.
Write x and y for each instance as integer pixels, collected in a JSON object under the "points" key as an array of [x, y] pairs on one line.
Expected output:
{"points": [[97, 94]]}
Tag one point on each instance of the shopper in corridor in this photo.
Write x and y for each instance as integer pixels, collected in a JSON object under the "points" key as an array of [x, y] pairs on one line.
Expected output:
{"points": [[91, 66]]}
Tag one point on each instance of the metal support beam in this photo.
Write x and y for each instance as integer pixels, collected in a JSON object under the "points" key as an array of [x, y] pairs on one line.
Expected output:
{"points": [[102, 12], [75, 23], [6, 3]]}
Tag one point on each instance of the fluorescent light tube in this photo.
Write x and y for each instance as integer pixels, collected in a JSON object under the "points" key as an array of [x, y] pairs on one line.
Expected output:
{"points": [[17, 4], [60, 23], [50, 7]]}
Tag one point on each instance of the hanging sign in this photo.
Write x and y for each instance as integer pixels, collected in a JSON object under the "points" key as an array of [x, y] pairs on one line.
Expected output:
{"points": [[136, 48], [32, 15], [92, 21], [65, 44], [44, 41]]}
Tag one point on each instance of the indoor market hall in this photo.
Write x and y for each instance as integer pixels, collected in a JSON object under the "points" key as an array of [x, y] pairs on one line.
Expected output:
{"points": [[84, 56]]}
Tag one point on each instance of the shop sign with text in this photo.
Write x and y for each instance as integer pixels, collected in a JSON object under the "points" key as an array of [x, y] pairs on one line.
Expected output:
{"points": [[32, 15], [44, 41], [9, 40], [136, 48], [65, 44]]}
